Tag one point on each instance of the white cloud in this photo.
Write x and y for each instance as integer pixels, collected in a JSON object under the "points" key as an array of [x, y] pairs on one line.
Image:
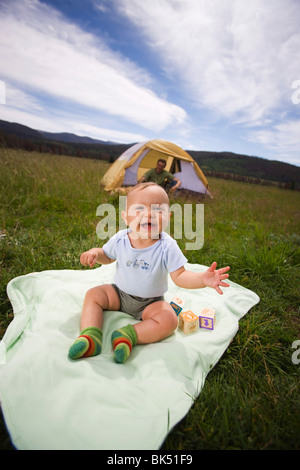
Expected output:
{"points": [[63, 123], [106, 134], [283, 139], [17, 98], [42, 51], [31, 119], [230, 63], [235, 58]]}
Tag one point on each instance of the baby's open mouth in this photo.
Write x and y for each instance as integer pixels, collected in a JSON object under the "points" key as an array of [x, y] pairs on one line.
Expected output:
{"points": [[149, 225]]}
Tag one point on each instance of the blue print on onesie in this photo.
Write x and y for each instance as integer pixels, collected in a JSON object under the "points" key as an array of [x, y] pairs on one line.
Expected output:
{"points": [[138, 264], [144, 272]]}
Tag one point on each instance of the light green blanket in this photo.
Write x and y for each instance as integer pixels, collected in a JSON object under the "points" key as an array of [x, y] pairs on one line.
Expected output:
{"points": [[51, 402]]}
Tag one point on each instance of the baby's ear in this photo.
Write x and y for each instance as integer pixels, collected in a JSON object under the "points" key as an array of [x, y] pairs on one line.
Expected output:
{"points": [[124, 216]]}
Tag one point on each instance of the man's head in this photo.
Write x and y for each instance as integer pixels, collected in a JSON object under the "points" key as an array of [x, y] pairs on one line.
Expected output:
{"points": [[160, 165]]}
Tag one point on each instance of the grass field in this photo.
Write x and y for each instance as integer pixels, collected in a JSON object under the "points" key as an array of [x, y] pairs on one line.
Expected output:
{"points": [[251, 398]]}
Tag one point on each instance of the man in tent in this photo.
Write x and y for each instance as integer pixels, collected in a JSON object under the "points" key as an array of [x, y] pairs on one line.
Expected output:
{"points": [[161, 176]]}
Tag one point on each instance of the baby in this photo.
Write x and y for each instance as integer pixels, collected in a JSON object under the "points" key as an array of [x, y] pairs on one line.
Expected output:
{"points": [[144, 256]]}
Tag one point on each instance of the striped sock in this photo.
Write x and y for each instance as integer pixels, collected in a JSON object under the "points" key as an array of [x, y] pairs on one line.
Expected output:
{"points": [[123, 341], [89, 343]]}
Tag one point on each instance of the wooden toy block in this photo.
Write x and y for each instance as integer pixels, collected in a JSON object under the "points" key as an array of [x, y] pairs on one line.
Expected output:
{"points": [[207, 318], [188, 322], [177, 304]]}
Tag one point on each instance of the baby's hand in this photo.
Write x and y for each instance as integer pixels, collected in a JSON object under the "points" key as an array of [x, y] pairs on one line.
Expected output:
{"points": [[214, 277], [89, 258]]}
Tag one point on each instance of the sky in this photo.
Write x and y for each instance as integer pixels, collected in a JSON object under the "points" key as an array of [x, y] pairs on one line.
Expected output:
{"points": [[205, 74]]}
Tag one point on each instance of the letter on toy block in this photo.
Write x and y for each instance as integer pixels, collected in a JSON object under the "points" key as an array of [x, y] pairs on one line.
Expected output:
{"points": [[188, 322], [207, 318], [177, 304]]}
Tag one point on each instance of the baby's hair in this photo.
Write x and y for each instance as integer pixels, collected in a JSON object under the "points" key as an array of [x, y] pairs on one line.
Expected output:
{"points": [[141, 186]]}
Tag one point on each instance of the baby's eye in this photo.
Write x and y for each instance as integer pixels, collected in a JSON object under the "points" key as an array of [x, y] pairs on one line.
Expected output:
{"points": [[161, 208], [136, 208]]}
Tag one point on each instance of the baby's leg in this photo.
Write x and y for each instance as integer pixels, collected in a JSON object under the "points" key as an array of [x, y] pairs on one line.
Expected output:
{"points": [[159, 322], [97, 299]]}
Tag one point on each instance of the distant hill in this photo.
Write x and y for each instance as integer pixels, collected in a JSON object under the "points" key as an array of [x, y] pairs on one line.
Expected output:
{"points": [[12, 128], [226, 165], [26, 132], [67, 137], [15, 135]]}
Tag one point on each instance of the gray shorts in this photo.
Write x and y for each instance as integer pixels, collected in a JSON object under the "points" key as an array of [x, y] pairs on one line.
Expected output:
{"points": [[134, 305]]}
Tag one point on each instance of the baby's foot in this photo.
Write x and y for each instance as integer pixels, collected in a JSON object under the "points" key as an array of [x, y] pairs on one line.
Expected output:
{"points": [[88, 344]]}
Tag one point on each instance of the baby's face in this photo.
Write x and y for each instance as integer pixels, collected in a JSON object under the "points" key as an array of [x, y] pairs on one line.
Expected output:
{"points": [[147, 212]]}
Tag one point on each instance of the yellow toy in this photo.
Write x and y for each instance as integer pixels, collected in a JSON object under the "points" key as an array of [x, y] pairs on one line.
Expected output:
{"points": [[188, 322], [207, 318]]}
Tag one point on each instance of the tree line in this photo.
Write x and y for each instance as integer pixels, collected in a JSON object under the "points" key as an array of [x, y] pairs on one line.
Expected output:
{"points": [[223, 165]]}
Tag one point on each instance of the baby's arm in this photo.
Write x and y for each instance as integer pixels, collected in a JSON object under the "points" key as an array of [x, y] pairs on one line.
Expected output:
{"points": [[212, 277], [93, 256]]}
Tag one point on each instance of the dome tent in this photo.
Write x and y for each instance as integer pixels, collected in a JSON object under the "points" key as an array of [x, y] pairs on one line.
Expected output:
{"points": [[135, 161]]}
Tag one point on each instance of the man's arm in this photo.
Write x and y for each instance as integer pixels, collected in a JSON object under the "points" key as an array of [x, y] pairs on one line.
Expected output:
{"points": [[178, 183], [145, 177]]}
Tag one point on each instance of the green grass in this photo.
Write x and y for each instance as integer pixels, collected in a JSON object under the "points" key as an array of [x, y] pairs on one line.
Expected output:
{"points": [[250, 399]]}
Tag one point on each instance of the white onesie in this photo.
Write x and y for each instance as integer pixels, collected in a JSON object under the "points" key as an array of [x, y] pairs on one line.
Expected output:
{"points": [[144, 272]]}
